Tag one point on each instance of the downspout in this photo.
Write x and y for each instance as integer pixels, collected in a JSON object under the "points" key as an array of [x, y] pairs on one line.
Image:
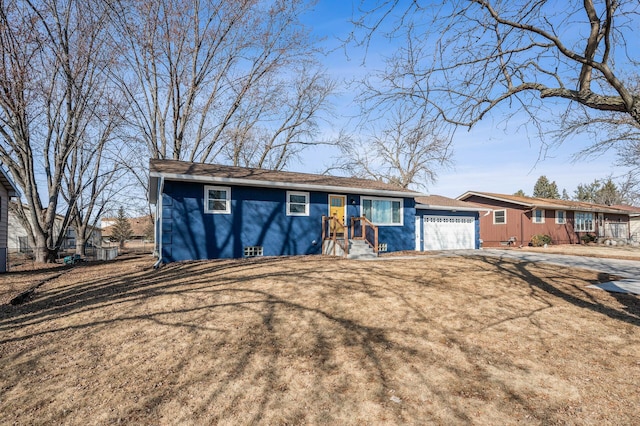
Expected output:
{"points": [[158, 223], [522, 223]]}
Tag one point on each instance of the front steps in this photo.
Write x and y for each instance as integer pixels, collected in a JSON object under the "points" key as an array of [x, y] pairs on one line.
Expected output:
{"points": [[358, 249]]}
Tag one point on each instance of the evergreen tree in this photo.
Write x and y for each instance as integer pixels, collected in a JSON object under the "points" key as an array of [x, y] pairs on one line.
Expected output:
{"points": [[520, 193], [599, 192], [545, 189], [122, 230], [565, 194]]}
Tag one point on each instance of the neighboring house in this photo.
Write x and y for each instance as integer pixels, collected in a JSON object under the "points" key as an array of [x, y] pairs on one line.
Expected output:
{"points": [[8, 190], [445, 224], [139, 227], [515, 220], [19, 242]]}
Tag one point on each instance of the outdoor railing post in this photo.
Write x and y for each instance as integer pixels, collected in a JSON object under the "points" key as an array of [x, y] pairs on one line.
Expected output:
{"points": [[375, 246], [324, 224], [353, 221]]}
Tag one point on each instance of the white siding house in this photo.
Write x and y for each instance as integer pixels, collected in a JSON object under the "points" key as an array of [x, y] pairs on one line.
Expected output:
{"points": [[7, 190]]}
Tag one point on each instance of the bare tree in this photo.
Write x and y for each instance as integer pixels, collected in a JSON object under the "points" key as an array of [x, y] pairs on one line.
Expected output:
{"points": [[211, 80], [408, 151], [52, 86], [465, 58], [280, 123], [93, 180]]}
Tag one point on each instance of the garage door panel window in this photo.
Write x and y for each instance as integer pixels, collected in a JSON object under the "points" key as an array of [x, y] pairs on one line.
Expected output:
{"points": [[383, 211]]}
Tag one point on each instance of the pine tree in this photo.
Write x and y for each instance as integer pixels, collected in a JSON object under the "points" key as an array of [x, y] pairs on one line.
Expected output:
{"points": [[520, 193], [599, 192], [122, 229], [545, 189]]}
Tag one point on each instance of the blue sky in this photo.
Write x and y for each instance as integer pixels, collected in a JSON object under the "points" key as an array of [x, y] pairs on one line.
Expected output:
{"points": [[491, 157]]}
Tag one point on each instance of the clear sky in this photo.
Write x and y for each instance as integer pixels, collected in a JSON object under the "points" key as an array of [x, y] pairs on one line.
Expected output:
{"points": [[492, 157]]}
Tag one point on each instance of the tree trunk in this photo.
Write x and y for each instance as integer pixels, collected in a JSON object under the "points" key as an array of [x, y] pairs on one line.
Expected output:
{"points": [[80, 246], [41, 252]]}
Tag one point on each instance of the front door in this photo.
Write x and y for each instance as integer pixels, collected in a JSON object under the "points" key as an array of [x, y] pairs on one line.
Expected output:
{"points": [[601, 230], [337, 209]]}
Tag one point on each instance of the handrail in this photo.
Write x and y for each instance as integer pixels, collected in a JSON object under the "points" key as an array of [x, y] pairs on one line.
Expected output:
{"points": [[366, 227], [332, 235]]}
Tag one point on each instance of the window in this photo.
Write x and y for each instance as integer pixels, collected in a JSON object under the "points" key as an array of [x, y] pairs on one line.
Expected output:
{"points": [[253, 251], [583, 222], [499, 217], [537, 216], [382, 211], [561, 217], [217, 199], [297, 203]]}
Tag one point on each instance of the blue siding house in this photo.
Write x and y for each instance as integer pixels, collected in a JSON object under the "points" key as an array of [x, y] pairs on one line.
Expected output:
{"points": [[207, 211]]}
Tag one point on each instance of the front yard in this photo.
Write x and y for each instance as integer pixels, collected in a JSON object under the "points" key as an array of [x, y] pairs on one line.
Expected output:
{"points": [[444, 340]]}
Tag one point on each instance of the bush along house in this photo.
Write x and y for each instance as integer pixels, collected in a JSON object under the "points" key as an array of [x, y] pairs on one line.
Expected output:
{"points": [[517, 220]]}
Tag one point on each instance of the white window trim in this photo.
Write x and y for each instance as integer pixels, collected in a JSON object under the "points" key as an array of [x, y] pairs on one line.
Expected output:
{"points": [[505, 217], [564, 217], [228, 199], [593, 222], [306, 203], [400, 200], [533, 216]]}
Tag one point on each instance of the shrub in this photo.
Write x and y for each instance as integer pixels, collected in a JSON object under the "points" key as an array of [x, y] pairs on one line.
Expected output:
{"points": [[540, 240], [587, 238]]}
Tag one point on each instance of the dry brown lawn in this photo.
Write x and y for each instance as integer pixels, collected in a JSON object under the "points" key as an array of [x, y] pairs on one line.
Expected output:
{"points": [[313, 340]]}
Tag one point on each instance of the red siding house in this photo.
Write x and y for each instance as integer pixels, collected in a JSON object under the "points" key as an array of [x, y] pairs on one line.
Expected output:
{"points": [[515, 220]]}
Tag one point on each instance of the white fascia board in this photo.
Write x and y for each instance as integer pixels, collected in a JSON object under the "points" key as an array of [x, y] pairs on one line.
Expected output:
{"points": [[450, 208], [280, 185]]}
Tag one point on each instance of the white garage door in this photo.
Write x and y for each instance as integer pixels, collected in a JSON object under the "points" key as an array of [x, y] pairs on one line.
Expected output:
{"points": [[449, 232]]}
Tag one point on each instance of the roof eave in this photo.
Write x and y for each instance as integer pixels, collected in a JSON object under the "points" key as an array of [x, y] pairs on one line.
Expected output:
{"points": [[505, 200], [452, 208], [7, 182], [269, 184]]}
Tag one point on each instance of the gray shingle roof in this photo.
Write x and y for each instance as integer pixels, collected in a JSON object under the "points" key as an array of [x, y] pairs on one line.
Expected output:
{"points": [[547, 203], [187, 171], [440, 201]]}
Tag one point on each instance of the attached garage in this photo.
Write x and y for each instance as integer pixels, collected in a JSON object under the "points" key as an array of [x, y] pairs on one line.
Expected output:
{"points": [[449, 232], [446, 224]]}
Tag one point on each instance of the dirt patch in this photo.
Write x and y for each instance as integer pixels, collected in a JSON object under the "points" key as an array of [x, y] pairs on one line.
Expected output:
{"points": [[432, 340]]}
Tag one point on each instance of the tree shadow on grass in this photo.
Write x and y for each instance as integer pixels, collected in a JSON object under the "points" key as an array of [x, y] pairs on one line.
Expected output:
{"points": [[243, 335], [581, 297]]}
